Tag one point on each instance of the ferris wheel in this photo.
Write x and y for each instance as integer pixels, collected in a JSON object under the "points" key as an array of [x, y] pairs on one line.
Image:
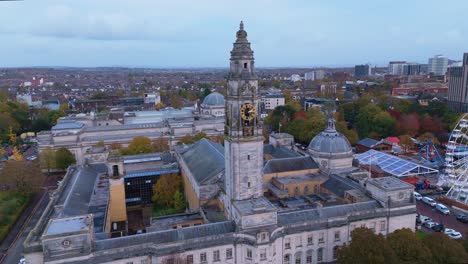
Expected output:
{"points": [[456, 161]]}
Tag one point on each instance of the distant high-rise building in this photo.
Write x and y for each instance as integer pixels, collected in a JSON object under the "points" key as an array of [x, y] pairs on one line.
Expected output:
{"points": [[396, 67], [413, 69], [362, 70], [438, 65], [314, 75], [458, 86]]}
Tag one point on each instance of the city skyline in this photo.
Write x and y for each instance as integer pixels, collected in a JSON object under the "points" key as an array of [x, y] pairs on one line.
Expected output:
{"points": [[183, 35]]}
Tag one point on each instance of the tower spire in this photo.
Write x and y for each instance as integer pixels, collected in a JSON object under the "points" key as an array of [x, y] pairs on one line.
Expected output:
{"points": [[241, 27]]}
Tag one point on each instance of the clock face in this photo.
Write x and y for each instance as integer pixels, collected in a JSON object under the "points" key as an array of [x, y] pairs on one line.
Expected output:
{"points": [[248, 112]]}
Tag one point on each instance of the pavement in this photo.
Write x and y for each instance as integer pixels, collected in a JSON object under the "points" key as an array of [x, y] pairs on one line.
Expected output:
{"points": [[449, 221]]}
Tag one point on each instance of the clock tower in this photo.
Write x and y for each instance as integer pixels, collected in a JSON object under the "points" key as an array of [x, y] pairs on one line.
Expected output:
{"points": [[244, 139]]}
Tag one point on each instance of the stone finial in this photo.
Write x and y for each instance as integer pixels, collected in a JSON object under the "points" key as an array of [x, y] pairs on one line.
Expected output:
{"points": [[241, 27]]}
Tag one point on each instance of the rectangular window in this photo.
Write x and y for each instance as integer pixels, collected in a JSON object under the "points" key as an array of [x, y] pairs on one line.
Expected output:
{"points": [[189, 259], [144, 261], [248, 157], [229, 253], [382, 226], [263, 255], [321, 238], [274, 250], [298, 241], [287, 243], [320, 255], [249, 253], [372, 226], [310, 240], [203, 258], [337, 236], [216, 255], [352, 227]]}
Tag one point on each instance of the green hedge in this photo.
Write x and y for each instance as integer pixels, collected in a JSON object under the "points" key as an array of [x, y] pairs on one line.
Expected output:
{"points": [[12, 205]]}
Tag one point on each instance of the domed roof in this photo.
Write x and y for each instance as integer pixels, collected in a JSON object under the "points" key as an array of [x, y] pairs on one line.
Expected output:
{"points": [[330, 142], [213, 99]]}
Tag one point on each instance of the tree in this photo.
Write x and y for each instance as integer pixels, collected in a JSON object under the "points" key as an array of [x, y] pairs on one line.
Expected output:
{"points": [[159, 105], [189, 139], [280, 115], [179, 200], [100, 144], [47, 159], [64, 158], [445, 249], [406, 142], [176, 101], [428, 136], [304, 130], [160, 145], [408, 247], [365, 119], [383, 124], [408, 124], [165, 188], [350, 134], [139, 145], [24, 176], [115, 146], [366, 247]]}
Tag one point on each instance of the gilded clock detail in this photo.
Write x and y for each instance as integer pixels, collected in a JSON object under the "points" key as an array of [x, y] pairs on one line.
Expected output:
{"points": [[248, 112]]}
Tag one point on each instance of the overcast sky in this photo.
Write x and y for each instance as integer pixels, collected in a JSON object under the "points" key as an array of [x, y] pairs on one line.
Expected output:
{"points": [[171, 33]]}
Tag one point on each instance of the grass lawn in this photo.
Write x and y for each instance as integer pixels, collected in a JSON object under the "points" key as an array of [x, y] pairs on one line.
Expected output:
{"points": [[421, 235], [11, 205]]}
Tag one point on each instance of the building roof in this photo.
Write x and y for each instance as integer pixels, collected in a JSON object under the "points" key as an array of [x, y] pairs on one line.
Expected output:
{"points": [[302, 216], [330, 141], [368, 142], [393, 165], [214, 99], [204, 159], [279, 152], [389, 183], [290, 164], [67, 125], [339, 185], [67, 225]]}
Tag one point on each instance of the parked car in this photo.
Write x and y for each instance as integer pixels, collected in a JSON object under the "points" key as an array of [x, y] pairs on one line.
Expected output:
{"points": [[438, 228], [455, 235], [443, 209], [429, 201], [462, 218], [430, 224], [449, 231], [417, 196], [423, 219]]}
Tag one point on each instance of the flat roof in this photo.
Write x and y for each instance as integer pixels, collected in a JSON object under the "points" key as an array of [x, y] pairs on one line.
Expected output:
{"points": [[390, 183], [67, 225]]}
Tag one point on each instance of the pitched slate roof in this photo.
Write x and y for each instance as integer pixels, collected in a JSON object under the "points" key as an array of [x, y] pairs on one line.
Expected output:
{"points": [[279, 152], [290, 164], [339, 185], [205, 159], [368, 142]]}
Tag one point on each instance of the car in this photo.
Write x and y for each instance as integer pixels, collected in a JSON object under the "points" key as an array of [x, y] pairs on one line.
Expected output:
{"points": [[449, 231], [417, 196], [438, 228], [422, 219], [443, 209], [455, 235], [462, 218], [430, 224], [429, 201]]}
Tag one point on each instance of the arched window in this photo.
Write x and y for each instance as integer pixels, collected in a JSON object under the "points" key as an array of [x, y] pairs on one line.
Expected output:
{"points": [[298, 258], [306, 190], [245, 65], [335, 251], [287, 259], [316, 189], [309, 255], [296, 191], [320, 255]]}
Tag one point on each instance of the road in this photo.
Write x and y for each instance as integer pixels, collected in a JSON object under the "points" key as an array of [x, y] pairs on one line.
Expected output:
{"points": [[448, 221]]}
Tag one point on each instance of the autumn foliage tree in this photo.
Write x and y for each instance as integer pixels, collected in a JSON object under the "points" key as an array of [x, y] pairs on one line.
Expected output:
{"points": [[64, 158], [366, 247], [139, 145], [406, 142], [408, 247], [168, 192]]}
